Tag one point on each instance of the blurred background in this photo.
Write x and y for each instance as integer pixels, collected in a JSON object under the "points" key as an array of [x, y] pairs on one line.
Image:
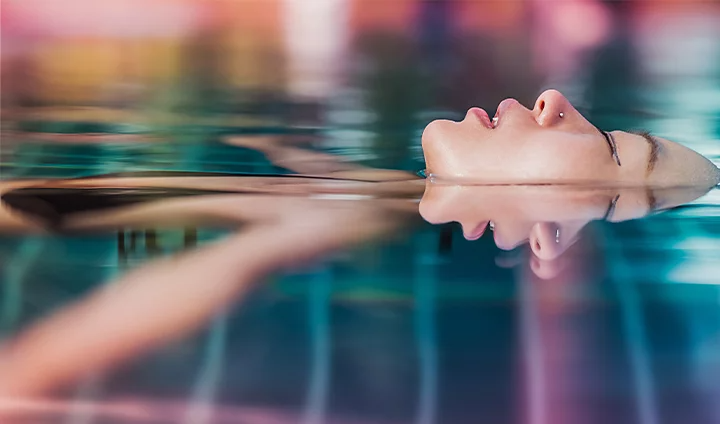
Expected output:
{"points": [[368, 74], [428, 327]]}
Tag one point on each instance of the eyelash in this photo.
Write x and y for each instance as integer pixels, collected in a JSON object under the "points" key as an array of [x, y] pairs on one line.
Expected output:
{"points": [[611, 208], [613, 147]]}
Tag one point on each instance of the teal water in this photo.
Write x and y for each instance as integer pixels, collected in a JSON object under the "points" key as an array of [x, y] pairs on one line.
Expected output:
{"points": [[419, 325]]}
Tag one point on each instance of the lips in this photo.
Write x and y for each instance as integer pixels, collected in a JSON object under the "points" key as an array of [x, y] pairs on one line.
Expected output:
{"points": [[502, 108], [477, 232], [482, 116]]}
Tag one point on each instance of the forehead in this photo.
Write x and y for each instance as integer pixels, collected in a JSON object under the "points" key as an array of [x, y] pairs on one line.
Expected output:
{"points": [[678, 165]]}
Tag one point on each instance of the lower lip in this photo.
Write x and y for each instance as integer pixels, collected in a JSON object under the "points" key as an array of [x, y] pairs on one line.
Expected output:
{"points": [[482, 116]]}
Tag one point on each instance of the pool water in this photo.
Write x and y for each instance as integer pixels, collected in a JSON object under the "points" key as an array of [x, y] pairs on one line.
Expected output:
{"points": [[157, 319]]}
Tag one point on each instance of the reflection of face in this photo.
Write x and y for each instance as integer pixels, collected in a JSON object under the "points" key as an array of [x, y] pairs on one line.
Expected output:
{"points": [[548, 218], [554, 142]]}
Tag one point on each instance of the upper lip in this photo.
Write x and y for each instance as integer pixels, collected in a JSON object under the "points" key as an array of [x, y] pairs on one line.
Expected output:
{"points": [[502, 107]]}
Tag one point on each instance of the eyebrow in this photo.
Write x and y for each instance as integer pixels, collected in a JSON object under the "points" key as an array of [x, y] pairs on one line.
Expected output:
{"points": [[651, 200], [654, 144]]}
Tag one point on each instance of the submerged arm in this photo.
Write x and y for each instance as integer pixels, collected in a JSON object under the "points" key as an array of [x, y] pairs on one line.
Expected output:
{"points": [[284, 152], [170, 298]]}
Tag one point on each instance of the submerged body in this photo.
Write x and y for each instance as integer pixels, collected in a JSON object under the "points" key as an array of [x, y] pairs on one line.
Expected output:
{"points": [[289, 221]]}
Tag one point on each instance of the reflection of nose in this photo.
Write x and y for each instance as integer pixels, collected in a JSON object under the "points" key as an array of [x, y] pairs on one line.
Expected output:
{"points": [[546, 270], [546, 241], [549, 106]]}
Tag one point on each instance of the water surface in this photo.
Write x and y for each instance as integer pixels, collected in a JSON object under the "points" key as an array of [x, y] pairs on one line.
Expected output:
{"points": [[355, 309]]}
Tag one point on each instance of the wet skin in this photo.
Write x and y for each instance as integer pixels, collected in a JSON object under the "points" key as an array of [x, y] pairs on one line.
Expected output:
{"points": [[554, 143]]}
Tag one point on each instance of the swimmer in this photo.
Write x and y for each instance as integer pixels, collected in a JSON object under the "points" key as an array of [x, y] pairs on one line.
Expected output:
{"points": [[283, 225], [553, 143]]}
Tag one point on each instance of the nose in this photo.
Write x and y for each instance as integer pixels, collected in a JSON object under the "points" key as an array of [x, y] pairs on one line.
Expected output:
{"points": [[552, 108]]}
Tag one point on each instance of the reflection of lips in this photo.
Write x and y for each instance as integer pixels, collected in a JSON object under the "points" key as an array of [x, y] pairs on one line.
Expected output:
{"points": [[503, 107], [477, 232], [482, 116]]}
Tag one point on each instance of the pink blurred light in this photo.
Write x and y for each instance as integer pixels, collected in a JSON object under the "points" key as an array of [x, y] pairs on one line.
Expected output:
{"points": [[581, 24], [109, 18]]}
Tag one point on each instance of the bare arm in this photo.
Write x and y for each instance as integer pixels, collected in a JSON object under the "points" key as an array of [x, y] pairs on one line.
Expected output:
{"points": [[167, 299], [11, 221], [284, 153]]}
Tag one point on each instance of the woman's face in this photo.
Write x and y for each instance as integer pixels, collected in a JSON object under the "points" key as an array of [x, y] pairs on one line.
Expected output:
{"points": [[553, 142]]}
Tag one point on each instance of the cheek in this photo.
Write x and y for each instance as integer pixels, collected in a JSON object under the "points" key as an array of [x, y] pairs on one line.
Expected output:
{"points": [[454, 149], [562, 160]]}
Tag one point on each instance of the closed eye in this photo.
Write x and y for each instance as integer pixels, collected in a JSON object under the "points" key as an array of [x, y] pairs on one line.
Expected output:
{"points": [[611, 143], [611, 208]]}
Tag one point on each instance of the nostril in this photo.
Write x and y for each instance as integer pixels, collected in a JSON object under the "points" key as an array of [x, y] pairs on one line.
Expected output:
{"points": [[541, 105], [538, 248]]}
